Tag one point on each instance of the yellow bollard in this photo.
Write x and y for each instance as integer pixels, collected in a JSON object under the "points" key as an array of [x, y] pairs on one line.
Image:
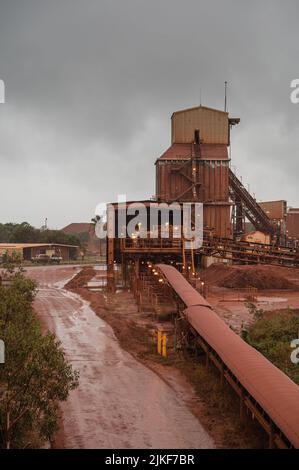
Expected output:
{"points": [[159, 341], [164, 348]]}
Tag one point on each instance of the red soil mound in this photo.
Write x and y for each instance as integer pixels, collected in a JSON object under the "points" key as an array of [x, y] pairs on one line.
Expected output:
{"points": [[261, 277], [81, 279]]}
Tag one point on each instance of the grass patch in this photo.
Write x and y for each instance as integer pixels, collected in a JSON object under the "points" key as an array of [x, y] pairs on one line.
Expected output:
{"points": [[271, 334]]}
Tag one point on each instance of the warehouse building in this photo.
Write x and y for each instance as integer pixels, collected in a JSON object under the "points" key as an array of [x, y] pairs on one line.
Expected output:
{"points": [[27, 251]]}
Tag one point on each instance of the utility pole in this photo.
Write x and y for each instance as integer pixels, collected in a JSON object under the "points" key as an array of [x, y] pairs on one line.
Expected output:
{"points": [[225, 96]]}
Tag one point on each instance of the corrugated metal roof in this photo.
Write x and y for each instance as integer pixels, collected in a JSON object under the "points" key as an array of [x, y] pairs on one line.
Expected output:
{"points": [[199, 107], [213, 152], [177, 152], [77, 227], [32, 245], [184, 152]]}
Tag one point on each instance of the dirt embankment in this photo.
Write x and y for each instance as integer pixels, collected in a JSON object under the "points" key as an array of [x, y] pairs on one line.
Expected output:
{"points": [[260, 277], [215, 407], [130, 335]]}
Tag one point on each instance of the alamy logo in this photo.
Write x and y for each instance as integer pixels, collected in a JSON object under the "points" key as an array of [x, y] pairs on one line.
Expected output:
{"points": [[153, 220], [295, 353], [2, 351], [2, 92], [294, 96]]}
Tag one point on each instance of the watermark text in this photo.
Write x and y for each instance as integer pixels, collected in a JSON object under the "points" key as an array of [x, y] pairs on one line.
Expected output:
{"points": [[2, 351], [2, 92], [294, 96]]}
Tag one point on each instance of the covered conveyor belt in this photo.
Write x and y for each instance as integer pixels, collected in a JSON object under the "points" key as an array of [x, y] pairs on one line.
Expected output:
{"points": [[252, 209], [263, 383]]}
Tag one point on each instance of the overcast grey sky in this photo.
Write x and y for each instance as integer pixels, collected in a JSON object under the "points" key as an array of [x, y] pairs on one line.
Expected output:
{"points": [[91, 86]]}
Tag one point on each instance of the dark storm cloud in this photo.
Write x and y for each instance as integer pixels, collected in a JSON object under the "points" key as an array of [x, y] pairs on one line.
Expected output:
{"points": [[91, 87]]}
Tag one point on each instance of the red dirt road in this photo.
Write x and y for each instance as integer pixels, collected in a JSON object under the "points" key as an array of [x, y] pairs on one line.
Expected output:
{"points": [[120, 403]]}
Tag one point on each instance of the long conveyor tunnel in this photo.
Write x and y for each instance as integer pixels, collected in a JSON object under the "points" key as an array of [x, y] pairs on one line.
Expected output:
{"points": [[266, 392]]}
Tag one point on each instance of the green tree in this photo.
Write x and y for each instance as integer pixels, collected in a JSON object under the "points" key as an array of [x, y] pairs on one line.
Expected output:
{"points": [[24, 233], [35, 376], [57, 236], [6, 231]]}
